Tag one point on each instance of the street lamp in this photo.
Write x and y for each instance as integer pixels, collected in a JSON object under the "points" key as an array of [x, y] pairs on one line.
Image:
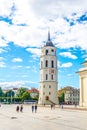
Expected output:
{"points": [[11, 96], [7, 98]]}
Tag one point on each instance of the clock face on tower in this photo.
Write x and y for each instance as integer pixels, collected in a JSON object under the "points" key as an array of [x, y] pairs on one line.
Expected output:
{"points": [[51, 71]]}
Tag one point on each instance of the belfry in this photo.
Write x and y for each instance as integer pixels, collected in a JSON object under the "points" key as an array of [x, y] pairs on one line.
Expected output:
{"points": [[48, 92]]}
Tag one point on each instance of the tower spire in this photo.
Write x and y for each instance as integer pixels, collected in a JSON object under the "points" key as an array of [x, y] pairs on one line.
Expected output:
{"points": [[49, 42], [48, 34]]}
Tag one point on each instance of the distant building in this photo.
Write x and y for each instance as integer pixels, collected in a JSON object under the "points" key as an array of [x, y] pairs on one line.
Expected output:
{"points": [[33, 92], [15, 90], [4, 90], [71, 95]]}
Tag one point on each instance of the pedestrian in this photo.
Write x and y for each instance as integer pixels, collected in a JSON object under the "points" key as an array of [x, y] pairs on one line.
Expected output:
{"points": [[32, 108], [35, 108], [17, 108], [21, 108], [51, 106], [75, 104], [44, 104], [62, 106]]}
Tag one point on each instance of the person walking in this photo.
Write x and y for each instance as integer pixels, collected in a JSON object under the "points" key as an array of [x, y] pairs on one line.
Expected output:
{"points": [[21, 108], [51, 106], [62, 106], [35, 108], [32, 108], [17, 108]]}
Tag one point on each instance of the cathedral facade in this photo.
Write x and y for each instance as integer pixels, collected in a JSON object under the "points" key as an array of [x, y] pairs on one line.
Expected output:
{"points": [[83, 85], [48, 92]]}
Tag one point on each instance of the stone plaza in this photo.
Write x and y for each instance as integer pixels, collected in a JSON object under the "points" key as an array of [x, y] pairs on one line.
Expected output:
{"points": [[44, 119]]}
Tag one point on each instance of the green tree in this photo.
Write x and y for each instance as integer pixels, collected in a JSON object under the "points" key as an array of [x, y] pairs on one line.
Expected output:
{"points": [[9, 93], [9, 96], [36, 97], [1, 92], [21, 91], [26, 96], [1, 95], [63, 97]]}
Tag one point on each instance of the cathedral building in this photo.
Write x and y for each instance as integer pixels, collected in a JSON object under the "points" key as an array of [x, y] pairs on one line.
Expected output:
{"points": [[83, 85], [48, 92]]}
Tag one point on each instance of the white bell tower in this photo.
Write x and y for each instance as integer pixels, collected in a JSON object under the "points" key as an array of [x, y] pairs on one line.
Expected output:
{"points": [[48, 92]]}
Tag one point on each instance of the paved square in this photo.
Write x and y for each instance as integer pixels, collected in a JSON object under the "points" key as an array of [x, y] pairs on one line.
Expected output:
{"points": [[44, 119]]}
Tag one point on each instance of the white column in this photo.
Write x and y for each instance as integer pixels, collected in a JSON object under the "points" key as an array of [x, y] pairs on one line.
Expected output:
{"points": [[81, 91]]}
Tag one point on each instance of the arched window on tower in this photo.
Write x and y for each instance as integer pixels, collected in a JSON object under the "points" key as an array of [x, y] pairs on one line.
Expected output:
{"points": [[49, 86], [46, 52], [46, 76], [46, 64], [49, 93], [52, 76], [44, 86], [52, 50], [43, 93], [52, 64]]}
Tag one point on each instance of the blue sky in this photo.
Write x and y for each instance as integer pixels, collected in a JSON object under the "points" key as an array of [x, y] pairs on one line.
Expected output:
{"points": [[23, 31]]}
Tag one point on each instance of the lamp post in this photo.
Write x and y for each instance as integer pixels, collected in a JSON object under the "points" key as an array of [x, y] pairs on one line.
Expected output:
{"points": [[7, 98], [11, 96]]}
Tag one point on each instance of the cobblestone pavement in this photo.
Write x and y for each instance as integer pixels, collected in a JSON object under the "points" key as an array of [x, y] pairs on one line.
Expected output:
{"points": [[44, 119]]}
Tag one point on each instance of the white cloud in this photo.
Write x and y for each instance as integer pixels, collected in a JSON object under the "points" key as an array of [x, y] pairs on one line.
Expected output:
{"points": [[1, 58], [2, 64], [17, 60], [16, 67], [85, 59], [69, 75], [68, 54], [2, 50], [27, 67], [55, 8], [37, 16], [35, 51], [74, 36], [5, 7], [3, 43], [12, 84], [16, 84], [24, 76], [58, 63], [66, 65], [34, 69]]}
